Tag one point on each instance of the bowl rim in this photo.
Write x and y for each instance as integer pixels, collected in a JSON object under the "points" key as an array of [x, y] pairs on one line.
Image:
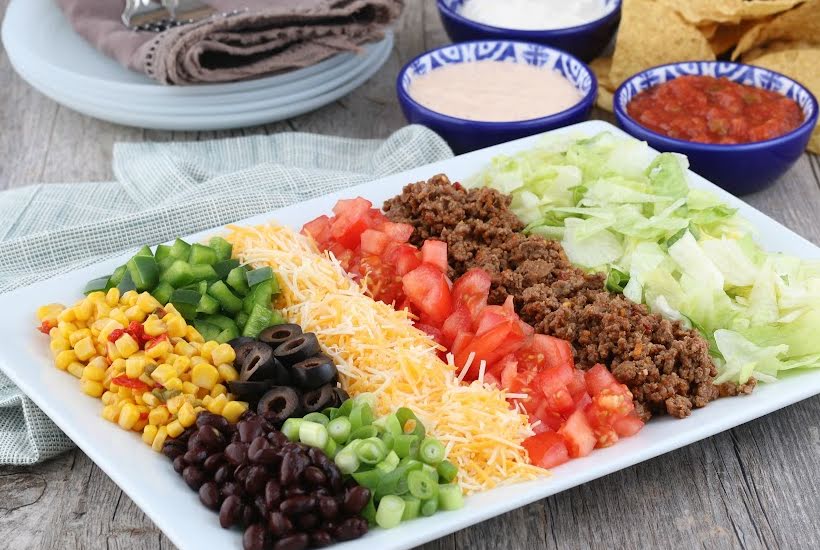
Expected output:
{"points": [[807, 124], [532, 33], [587, 100]]}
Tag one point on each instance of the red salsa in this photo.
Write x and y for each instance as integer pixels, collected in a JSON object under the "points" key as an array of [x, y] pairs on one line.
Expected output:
{"points": [[714, 110]]}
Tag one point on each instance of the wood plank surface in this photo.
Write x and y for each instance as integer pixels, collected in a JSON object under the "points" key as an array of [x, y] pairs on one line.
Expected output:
{"points": [[751, 487]]}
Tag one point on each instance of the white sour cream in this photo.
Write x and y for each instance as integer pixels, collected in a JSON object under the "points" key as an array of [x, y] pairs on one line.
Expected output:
{"points": [[494, 91], [533, 15]]}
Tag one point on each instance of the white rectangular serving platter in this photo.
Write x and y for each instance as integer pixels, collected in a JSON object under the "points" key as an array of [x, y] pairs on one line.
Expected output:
{"points": [[147, 477]]}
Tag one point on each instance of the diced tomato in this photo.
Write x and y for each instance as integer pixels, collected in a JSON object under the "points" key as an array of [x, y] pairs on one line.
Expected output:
{"points": [[577, 387], [627, 425], [427, 289], [552, 384], [398, 232], [154, 341], [599, 378], [46, 326], [461, 341], [435, 253], [546, 449], [348, 231], [132, 383], [431, 331], [489, 347], [490, 378], [583, 401], [355, 208], [373, 241], [115, 334], [578, 435], [319, 229], [472, 290], [382, 282], [458, 321], [137, 332]]}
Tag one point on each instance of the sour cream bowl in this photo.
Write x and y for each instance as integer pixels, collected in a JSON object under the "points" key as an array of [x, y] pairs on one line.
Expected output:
{"points": [[585, 41], [468, 134]]}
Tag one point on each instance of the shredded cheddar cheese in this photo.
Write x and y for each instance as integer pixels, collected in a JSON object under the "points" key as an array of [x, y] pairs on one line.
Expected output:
{"points": [[378, 350]]}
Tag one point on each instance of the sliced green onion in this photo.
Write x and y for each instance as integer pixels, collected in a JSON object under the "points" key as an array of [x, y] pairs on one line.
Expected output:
{"points": [[392, 425], [346, 459], [447, 471], [317, 417], [371, 450], [346, 408], [431, 451], [410, 424], [361, 415], [368, 478], [450, 497], [429, 507], [431, 472], [331, 412], [331, 448], [406, 445], [364, 432], [389, 463], [388, 439], [369, 512], [412, 506], [365, 398], [421, 486], [313, 434], [339, 429], [389, 512], [291, 428]]}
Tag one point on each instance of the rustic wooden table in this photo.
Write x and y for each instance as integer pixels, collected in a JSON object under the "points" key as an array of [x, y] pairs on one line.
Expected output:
{"points": [[751, 487]]}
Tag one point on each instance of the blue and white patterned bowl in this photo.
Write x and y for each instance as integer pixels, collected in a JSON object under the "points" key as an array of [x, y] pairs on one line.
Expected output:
{"points": [[583, 41], [468, 135], [738, 168]]}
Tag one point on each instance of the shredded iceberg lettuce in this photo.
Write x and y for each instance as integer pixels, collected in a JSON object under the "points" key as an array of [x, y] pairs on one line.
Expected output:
{"points": [[621, 209]]}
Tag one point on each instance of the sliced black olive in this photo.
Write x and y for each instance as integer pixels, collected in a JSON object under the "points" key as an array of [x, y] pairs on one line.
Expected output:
{"points": [[318, 399], [242, 350], [313, 372], [341, 396], [277, 334], [298, 348], [260, 364], [279, 404], [250, 391], [238, 341]]}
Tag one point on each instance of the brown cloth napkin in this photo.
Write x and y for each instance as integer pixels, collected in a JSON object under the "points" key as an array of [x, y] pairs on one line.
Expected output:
{"points": [[266, 37]]}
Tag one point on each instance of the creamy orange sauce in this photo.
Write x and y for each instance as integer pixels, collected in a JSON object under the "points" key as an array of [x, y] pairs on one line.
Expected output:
{"points": [[494, 91]]}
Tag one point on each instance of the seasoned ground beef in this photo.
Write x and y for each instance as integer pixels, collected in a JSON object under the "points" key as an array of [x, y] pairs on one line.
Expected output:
{"points": [[666, 366]]}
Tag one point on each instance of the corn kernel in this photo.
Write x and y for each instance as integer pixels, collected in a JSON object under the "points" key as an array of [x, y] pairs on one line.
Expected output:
{"points": [[159, 416], [198, 360], [150, 399], [67, 327], [134, 313], [217, 404], [163, 373], [65, 358], [113, 353], [126, 345], [159, 440], [134, 367], [174, 404], [155, 327], [49, 312], [112, 297], [184, 348], [149, 432], [233, 410], [102, 310], [85, 349], [118, 314], [224, 353], [218, 389], [59, 344], [109, 398], [108, 326], [76, 369], [186, 415], [66, 315], [159, 350], [78, 335], [207, 348], [205, 376], [182, 364], [110, 413], [125, 393], [189, 388], [193, 335], [140, 424], [147, 303], [227, 373], [146, 379], [94, 372], [174, 384], [92, 387], [129, 298], [175, 325], [175, 429], [128, 416], [83, 311]]}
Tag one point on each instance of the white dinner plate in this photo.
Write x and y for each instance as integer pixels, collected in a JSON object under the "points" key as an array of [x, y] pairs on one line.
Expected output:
{"points": [[148, 478]]}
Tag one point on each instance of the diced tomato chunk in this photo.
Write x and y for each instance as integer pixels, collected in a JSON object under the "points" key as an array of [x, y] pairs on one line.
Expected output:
{"points": [[319, 229], [355, 208], [472, 289], [577, 386], [428, 290], [398, 232], [628, 425], [435, 253], [374, 241], [461, 341], [407, 260], [578, 435], [458, 321], [599, 378], [431, 331], [546, 449]]}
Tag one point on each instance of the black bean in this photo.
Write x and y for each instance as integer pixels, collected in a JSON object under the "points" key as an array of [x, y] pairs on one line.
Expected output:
{"points": [[273, 494], [230, 511], [328, 507], [296, 541], [194, 443], [294, 491], [314, 476], [219, 422], [256, 479], [320, 539], [278, 524], [173, 449], [277, 438], [180, 464], [261, 507], [231, 488], [237, 453], [308, 522], [249, 413], [195, 456], [211, 438], [351, 528], [296, 505], [194, 477], [321, 492], [250, 429], [261, 451], [214, 462], [293, 464], [356, 498], [254, 537], [249, 515], [185, 435], [209, 495], [223, 473]]}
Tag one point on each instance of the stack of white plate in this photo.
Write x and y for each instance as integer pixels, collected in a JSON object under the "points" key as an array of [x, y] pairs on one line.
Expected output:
{"points": [[49, 55]]}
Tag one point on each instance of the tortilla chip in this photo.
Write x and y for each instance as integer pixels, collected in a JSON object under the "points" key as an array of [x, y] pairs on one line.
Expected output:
{"points": [[601, 68], [727, 36], [801, 23], [653, 34], [772, 47], [701, 12], [802, 65], [708, 30], [606, 99]]}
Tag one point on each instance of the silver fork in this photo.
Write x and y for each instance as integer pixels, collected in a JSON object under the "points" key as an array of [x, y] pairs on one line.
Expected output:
{"points": [[160, 15]]}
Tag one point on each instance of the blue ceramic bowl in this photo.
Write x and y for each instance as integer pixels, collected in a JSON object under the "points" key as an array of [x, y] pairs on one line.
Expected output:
{"points": [[467, 135], [741, 168], [583, 41]]}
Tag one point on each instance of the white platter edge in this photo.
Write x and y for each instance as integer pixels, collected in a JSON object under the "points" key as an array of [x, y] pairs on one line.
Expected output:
{"points": [[147, 478]]}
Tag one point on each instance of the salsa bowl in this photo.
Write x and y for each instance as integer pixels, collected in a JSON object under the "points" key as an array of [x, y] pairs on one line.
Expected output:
{"points": [[738, 168], [467, 135]]}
